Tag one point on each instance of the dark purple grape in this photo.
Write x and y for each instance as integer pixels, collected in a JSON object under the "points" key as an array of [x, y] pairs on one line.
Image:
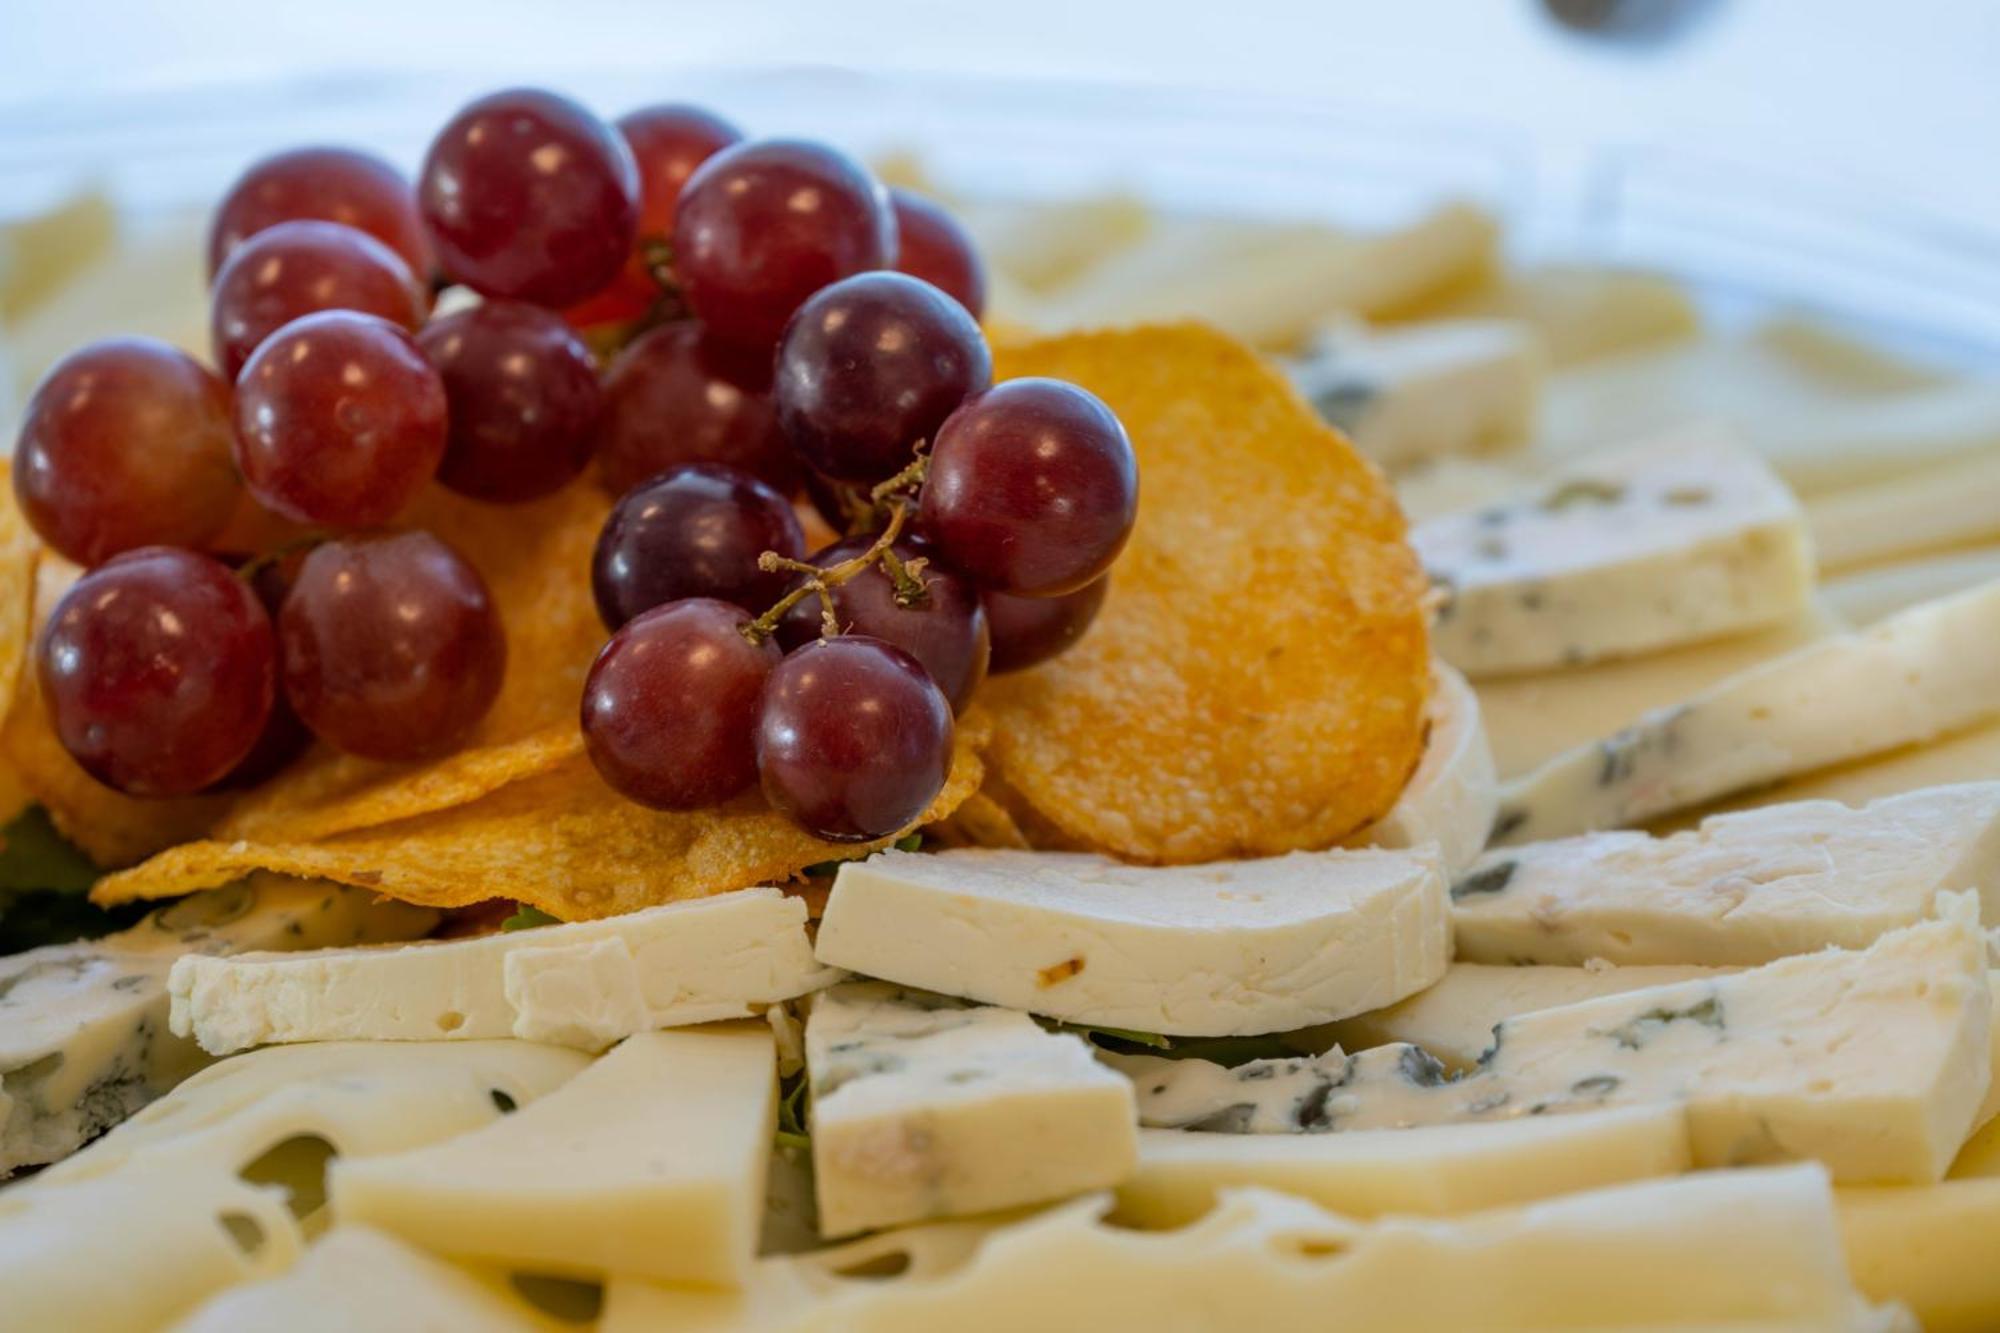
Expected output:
{"points": [[761, 226], [1033, 488], [854, 739], [296, 268], [945, 631], [339, 420], [676, 396], [331, 184], [393, 648], [530, 196], [670, 706], [934, 247], [523, 397], [693, 531], [870, 367], [126, 443], [158, 669], [1027, 631]]}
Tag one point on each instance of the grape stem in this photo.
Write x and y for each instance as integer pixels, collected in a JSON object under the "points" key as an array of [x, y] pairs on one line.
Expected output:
{"points": [[897, 494]]}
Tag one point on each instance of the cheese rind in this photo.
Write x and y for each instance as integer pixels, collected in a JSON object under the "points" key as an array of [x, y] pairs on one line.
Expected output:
{"points": [[926, 1108], [1452, 797], [1229, 948]]}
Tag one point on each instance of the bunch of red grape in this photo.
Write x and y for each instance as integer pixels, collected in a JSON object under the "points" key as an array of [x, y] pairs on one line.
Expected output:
{"points": [[780, 321]]}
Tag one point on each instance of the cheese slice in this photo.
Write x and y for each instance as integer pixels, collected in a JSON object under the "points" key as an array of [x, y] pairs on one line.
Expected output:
{"points": [[1453, 485], [924, 1108], [83, 1027], [1580, 311], [1452, 797], [1928, 1247], [1225, 949], [1676, 541], [1741, 888], [1919, 675], [583, 984], [1863, 596], [1957, 504], [650, 1162], [1968, 756], [1436, 1170]]}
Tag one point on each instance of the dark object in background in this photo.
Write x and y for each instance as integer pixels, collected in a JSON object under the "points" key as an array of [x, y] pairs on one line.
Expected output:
{"points": [[1632, 22]]}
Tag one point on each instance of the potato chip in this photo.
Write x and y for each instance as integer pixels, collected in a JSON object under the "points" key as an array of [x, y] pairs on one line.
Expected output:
{"points": [[1257, 678], [982, 822], [564, 842]]}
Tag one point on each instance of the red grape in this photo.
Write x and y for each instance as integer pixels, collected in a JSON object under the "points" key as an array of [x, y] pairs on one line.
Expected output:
{"points": [[393, 648], [677, 396], [523, 397], [1027, 631], [529, 195], [295, 268], [761, 226], [945, 631], [869, 367], [1033, 488], [331, 184], [693, 531], [670, 706], [125, 444], [934, 247], [158, 668], [284, 737], [853, 740], [339, 420]]}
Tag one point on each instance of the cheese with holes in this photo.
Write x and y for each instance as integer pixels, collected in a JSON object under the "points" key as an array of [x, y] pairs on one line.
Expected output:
{"points": [[1435, 1170], [1741, 888], [1673, 542], [1928, 1247], [1229, 948], [84, 1038], [649, 1162], [1912, 678], [1451, 798], [583, 984], [923, 1107]]}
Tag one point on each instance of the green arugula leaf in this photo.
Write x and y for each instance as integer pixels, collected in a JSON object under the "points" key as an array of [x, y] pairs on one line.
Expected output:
{"points": [[795, 1113], [1113, 1038], [34, 856], [527, 918], [43, 880]]}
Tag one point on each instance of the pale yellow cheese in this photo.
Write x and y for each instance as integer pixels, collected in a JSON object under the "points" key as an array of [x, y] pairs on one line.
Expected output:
{"points": [[1956, 504], [1967, 756], [1864, 596], [1581, 311], [1931, 1247]]}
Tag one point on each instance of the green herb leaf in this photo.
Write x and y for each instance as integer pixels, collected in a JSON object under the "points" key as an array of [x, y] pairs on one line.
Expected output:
{"points": [[34, 856], [909, 842], [795, 1112], [527, 918], [43, 880], [1116, 1037]]}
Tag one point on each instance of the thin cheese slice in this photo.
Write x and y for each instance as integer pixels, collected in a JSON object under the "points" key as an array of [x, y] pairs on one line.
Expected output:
{"points": [[1452, 797], [1933, 510], [1862, 597], [650, 1162], [1224, 949], [1929, 1247], [1969, 756]]}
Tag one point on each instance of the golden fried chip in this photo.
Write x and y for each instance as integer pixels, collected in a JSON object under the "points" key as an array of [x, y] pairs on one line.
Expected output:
{"points": [[982, 822], [1256, 680], [564, 842], [19, 556]]}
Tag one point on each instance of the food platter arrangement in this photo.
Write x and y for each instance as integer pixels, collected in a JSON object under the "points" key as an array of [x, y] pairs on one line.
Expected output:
{"points": [[657, 729]]}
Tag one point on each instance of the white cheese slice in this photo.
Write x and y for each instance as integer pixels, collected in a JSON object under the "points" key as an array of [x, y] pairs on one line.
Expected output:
{"points": [[650, 1162], [1676, 541], [83, 1027], [1413, 393], [924, 1107], [1231, 948], [1452, 485], [1452, 797], [1923, 674], [1933, 510], [1862, 597], [1581, 311], [1435, 1170], [1764, 1245], [583, 984], [1928, 1247], [1740, 888]]}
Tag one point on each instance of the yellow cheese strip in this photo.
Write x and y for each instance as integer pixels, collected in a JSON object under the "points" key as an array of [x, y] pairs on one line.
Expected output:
{"points": [[1938, 508], [1930, 1247], [1581, 312], [1862, 597]]}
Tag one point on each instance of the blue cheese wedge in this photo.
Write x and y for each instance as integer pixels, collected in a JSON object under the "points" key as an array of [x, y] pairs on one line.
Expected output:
{"points": [[1225, 949], [585, 984], [1452, 797], [1915, 677], [84, 1038], [1660, 545], [1739, 889], [924, 1107]]}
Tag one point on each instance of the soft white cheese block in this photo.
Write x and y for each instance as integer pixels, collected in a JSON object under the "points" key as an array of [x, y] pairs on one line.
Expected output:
{"points": [[1740, 888], [924, 1107], [83, 1027], [583, 984], [1452, 797], [1229, 948], [1672, 542], [1762, 1244], [1874, 1062], [650, 1162], [1933, 510], [1412, 393], [1435, 1170], [1912, 678]]}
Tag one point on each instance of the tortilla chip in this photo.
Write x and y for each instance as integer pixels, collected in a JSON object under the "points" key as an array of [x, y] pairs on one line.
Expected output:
{"points": [[563, 842], [1256, 681]]}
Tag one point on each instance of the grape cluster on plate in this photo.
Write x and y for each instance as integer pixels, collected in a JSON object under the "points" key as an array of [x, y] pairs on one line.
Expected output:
{"points": [[776, 321]]}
